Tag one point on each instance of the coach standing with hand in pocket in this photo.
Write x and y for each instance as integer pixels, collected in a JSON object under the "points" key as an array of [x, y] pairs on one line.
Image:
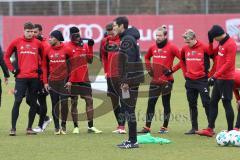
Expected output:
{"points": [[131, 75]]}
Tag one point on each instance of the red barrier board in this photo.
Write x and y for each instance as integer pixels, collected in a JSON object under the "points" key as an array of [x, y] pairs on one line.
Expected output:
{"points": [[93, 26]]}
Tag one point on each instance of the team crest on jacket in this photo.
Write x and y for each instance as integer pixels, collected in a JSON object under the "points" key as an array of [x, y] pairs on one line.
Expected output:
{"points": [[219, 52], [27, 46], [56, 55], [194, 52]]}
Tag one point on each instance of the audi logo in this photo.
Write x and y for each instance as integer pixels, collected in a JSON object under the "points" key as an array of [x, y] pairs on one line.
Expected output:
{"points": [[93, 31]]}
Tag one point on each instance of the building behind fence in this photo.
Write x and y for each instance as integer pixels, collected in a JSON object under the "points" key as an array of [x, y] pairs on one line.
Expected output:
{"points": [[116, 7]]}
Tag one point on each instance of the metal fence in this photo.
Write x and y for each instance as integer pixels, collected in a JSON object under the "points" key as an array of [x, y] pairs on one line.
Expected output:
{"points": [[116, 7]]}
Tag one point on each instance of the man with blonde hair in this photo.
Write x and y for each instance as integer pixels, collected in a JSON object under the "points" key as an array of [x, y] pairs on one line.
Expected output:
{"points": [[195, 65], [162, 53]]}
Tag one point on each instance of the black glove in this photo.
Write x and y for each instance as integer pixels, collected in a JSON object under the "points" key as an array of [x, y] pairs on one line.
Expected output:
{"points": [[150, 73], [90, 42], [168, 72], [15, 72], [89, 61], [80, 43], [39, 37], [211, 81], [112, 48], [210, 37]]}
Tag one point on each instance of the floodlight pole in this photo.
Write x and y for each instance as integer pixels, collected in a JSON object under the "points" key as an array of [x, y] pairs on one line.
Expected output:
{"points": [[206, 7], [108, 7], [157, 7], [70, 5], [97, 7], [10, 9], [59, 8]]}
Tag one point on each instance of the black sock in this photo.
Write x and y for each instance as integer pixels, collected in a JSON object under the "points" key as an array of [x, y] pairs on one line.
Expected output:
{"points": [[63, 124], [75, 124], [46, 118], [90, 124]]}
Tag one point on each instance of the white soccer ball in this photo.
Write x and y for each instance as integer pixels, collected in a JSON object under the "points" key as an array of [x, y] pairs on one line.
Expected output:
{"points": [[223, 138], [231, 135], [235, 140]]}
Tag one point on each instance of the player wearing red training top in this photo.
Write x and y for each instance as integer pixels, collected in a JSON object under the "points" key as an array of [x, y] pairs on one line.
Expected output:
{"points": [[195, 65], [223, 79], [82, 55], [161, 69], [55, 73], [108, 32], [109, 51], [27, 51], [41, 110]]}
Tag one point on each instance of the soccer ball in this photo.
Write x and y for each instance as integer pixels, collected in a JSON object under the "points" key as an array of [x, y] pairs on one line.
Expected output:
{"points": [[231, 135], [235, 140], [223, 138]]}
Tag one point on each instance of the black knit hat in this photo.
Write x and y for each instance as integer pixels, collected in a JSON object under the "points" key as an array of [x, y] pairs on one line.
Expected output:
{"points": [[57, 34], [216, 31], [73, 30]]}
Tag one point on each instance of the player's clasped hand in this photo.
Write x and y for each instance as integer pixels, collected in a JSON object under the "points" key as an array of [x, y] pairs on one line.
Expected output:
{"points": [[124, 86], [90, 42], [211, 81], [168, 72], [68, 86], [15, 72], [47, 87]]}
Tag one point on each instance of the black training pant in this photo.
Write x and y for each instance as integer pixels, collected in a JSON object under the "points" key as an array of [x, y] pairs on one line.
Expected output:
{"points": [[23, 84], [155, 91], [193, 89], [222, 89], [129, 106], [59, 97], [41, 109], [114, 93]]}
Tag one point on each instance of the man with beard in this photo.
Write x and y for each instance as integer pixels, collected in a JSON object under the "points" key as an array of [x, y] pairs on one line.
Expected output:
{"points": [[161, 69]]}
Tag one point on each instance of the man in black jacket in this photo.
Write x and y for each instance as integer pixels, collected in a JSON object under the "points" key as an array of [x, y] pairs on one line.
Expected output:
{"points": [[5, 73], [131, 75]]}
